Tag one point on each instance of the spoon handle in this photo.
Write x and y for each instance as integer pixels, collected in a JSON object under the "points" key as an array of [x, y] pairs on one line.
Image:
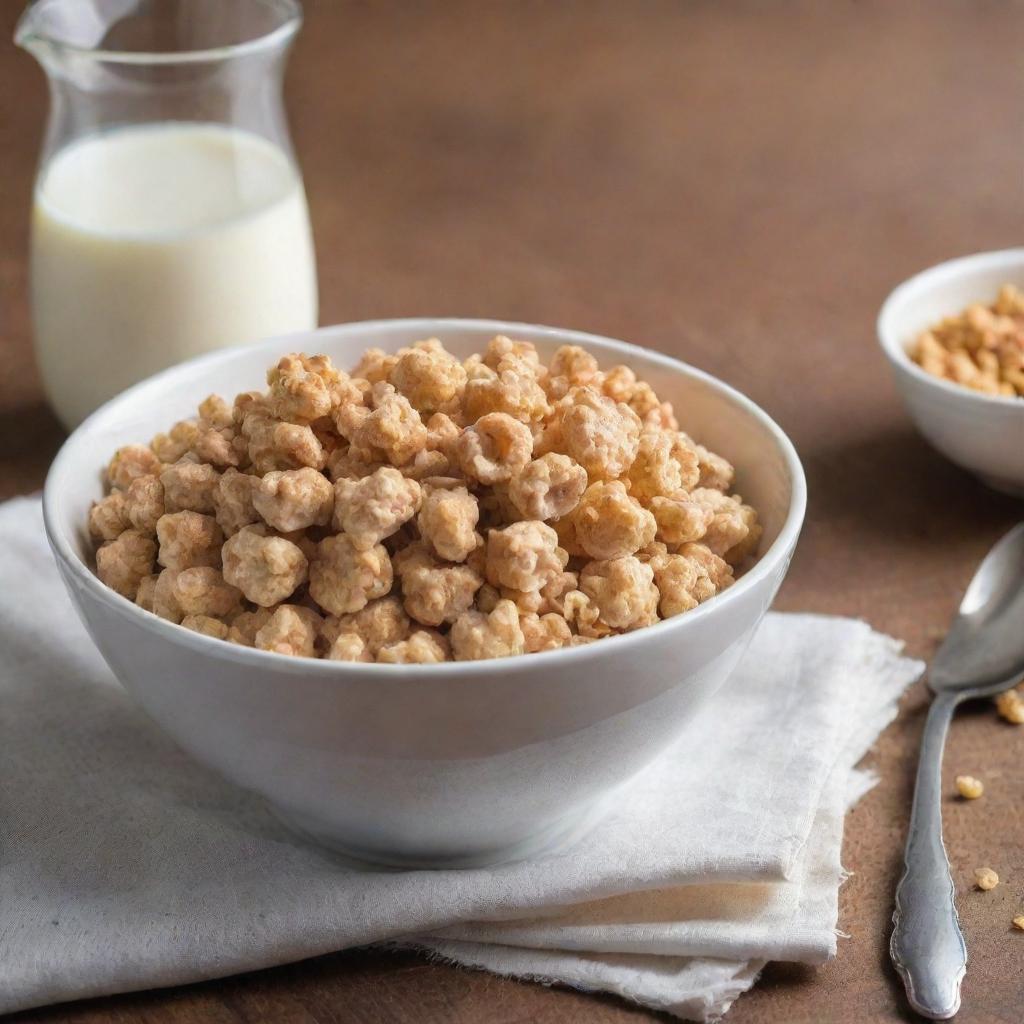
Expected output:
{"points": [[927, 947]]}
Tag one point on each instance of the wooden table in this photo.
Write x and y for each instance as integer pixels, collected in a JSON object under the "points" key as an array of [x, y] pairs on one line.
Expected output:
{"points": [[739, 185]]}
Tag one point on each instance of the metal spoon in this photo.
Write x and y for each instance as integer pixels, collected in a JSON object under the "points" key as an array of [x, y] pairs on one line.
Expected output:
{"points": [[983, 654]]}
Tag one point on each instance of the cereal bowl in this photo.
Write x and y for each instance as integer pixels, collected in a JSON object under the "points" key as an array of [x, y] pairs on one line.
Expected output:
{"points": [[450, 764], [979, 432]]}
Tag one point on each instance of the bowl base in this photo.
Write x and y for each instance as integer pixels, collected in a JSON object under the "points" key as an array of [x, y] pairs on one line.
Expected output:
{"points": [[1011, 487], [561, 834]]}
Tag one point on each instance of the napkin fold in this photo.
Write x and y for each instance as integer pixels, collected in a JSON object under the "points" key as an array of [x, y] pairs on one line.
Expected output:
{"points": [[125, 865]]}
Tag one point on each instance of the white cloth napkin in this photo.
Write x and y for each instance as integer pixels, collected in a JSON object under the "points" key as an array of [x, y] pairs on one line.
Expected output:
{"points": [[124, 865]]}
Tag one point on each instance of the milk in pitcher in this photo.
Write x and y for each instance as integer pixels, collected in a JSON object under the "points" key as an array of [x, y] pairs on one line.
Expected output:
{"points": [[152, 244]]}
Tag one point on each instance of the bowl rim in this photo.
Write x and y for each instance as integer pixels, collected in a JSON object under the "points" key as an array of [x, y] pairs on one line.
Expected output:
{"points": [[778, 552], [937, 275]]}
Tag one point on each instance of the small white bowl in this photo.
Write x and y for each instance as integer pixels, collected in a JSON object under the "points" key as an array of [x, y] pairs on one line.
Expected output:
{"points": [[428, 765], [981, 433]]}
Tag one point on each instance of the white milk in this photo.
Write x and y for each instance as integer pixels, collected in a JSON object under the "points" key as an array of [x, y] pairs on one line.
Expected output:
{"points": [[154, 244]]}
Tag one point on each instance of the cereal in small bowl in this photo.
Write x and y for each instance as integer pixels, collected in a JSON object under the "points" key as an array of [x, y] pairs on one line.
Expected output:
{"points": [[954, 338]]}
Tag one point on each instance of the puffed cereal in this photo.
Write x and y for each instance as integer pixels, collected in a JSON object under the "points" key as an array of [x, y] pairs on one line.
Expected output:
{"points": [[108, 517], [348, 647], [382, 621], [202, 590], [447, 521], [233, 504], [686, 579], [207, 625], [985, 879], [291, 629], [969, 787], [544, 632], [426, 507], [125, 561], [423, 647], [129, 462], [374, 507], [494, 448], [623, 590], [294, 499], [601, 435], [981, 348], [496, 634], [524, 556], [164, 598], [265, 568], [548, 488], [344, 578], [187, 539], [610, 523], [434, 592], [144, 503], [1010, 707]]}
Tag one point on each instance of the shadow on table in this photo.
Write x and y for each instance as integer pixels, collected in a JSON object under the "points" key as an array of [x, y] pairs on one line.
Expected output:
{"points": [[29, 439], [892, 483], [366, 985]]}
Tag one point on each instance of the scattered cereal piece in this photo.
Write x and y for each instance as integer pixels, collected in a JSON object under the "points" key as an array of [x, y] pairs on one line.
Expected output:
{"points": [[1011, 707], [969, 787], [1018, 922], [985, 879]]}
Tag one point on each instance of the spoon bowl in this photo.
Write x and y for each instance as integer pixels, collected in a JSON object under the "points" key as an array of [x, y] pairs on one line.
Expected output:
{"points": [[983, 652]]}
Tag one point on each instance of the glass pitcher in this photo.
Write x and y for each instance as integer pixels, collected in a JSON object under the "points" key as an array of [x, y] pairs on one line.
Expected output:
{"points": [[169, 213]]}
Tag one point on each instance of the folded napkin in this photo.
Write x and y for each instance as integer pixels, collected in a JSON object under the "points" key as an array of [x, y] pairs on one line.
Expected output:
{"points": [[125, 865]]}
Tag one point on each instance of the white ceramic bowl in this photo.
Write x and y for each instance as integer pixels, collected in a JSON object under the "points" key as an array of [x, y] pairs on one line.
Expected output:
{"points": [[982, 433], [428, 765]]}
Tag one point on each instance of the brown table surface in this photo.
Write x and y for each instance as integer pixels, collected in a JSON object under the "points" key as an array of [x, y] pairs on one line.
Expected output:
{"points": [[738, 185]]}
